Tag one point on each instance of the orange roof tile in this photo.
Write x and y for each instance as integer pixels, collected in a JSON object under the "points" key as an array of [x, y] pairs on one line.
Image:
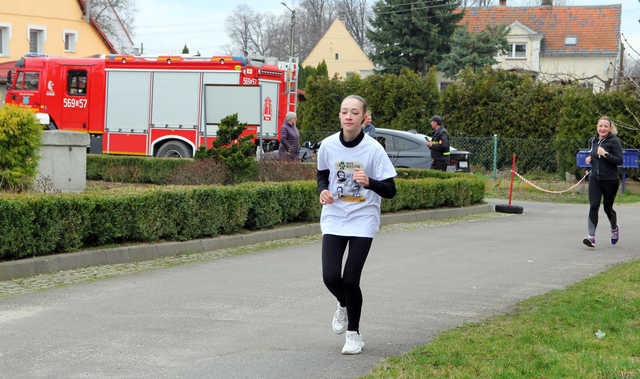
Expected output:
{"points": [[597, 28]]}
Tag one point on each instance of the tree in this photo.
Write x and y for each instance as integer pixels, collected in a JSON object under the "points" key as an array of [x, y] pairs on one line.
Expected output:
{"points": [[412, 34], [116, 19], [240, 25], [355, 14], [185, 49], [476, 50]]}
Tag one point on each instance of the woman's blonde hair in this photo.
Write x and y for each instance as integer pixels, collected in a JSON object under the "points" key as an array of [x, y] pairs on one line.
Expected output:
{"points": [[614, 130]]}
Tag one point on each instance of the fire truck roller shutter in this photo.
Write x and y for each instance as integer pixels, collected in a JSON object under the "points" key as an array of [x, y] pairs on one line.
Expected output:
{"points": [[127, 101], [222, 101], [270, 106], [175, 99]]}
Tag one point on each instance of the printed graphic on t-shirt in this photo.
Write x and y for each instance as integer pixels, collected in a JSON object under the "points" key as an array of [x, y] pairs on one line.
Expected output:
{"points": [[348, 189]]}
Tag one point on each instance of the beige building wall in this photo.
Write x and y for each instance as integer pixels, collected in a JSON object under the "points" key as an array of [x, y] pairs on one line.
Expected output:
{"points": [[341, 53], [571, 68], [53, 18]]}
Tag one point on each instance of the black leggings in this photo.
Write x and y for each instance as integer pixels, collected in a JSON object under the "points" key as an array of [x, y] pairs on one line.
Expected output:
{"points": [[345, 286], [597, 190]]}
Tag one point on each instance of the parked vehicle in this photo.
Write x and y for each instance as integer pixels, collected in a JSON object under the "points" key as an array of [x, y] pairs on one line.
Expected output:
{"points": [[165, 106], [408, 149]]}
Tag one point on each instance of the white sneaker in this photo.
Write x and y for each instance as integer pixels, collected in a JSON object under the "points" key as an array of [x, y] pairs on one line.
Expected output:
{"points": [[339, 322], [353, 343]]}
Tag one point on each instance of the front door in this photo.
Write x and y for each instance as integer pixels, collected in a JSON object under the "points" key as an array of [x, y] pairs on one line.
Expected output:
{"points": [[75, 101]]}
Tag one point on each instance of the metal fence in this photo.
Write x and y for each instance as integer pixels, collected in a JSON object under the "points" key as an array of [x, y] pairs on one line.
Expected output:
{"points": [[495, 153]]}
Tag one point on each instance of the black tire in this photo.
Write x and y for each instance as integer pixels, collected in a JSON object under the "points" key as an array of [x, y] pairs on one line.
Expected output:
{"points": [[174, 149], [506, 208]]}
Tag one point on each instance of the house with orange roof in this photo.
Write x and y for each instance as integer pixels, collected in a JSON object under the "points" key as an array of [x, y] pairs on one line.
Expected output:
{"points": [[57, 28], [557, 43]]}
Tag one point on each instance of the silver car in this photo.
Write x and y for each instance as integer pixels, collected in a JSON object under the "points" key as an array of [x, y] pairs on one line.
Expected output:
{"points": [[410, 150]]}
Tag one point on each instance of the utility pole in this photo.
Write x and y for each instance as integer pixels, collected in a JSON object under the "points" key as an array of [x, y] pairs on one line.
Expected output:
{"points": [[293, 23], [88, 10], [621, 73]]}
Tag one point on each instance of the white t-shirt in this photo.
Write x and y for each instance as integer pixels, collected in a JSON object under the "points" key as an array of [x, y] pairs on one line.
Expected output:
{"points": [[355, 210]]}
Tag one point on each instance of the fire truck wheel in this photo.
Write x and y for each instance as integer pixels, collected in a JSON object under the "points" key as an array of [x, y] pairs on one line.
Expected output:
{"points": [[174, 149]]}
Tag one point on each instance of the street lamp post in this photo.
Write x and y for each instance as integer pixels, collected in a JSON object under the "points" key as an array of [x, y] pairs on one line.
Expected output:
{"points": [[293, 23]]}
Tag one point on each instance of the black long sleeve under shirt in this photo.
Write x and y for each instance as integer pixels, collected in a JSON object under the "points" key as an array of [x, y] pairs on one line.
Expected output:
{"points": [[385, 188]]}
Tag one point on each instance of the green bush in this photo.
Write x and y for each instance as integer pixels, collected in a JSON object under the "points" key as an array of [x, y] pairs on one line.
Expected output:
{"points": [[19, 146], [37, 224], [133, 169]]}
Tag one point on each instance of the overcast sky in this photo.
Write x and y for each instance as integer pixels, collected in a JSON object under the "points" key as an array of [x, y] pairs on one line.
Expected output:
{"points": [[164, 26]]}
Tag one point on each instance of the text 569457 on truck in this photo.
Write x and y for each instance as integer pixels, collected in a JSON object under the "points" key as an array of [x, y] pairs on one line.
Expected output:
{"points": [[165, 106]]}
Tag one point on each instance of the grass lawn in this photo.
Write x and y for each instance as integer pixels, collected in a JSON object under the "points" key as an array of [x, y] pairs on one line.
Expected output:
{"points": [[549, 336], [499, 189]]}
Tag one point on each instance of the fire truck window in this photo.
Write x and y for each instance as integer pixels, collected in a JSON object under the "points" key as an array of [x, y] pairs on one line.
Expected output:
{"points": [[77, 82], [31, 80], [20, 80]]}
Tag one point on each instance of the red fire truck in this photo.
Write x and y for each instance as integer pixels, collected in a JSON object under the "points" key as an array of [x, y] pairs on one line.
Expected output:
{"points": [[164, 106]]}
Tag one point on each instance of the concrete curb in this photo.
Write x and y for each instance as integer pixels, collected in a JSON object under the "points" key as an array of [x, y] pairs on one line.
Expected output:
{"points": [[142, 252]]}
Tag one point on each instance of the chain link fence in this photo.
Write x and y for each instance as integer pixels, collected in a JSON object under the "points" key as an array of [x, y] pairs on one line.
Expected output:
{"points": [[495, 153]]}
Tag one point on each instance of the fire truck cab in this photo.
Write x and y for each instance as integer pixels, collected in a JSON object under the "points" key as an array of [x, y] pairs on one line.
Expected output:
{"points": [[164, 106]]}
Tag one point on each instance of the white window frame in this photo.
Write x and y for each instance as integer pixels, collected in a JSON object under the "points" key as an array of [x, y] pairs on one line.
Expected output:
{"points": [[41, 40], [73, 43], [6, 39], [571, 41], [512, 53]]}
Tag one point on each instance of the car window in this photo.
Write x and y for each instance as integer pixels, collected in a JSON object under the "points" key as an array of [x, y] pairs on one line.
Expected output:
{"points": [[402, 144], [383, 141]]}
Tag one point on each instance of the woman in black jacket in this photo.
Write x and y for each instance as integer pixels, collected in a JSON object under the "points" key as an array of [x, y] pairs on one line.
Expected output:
{"points": [[606, 155]]}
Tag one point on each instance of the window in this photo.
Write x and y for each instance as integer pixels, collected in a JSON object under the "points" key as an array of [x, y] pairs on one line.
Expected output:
{"points": [[337, 56], [77, 82], [28, 81], [571, 41], [517, 50], [5, 37], [37, 35], [31, 81], [402, 144], [70, 39]]}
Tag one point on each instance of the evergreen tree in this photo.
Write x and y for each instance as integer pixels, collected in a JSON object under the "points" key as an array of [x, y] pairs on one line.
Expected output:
{"points": [[476, 50], [412, 34], [185, 49]]}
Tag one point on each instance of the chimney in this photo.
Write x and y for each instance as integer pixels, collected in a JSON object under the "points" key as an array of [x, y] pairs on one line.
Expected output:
{"points": [[503, 3], [547, 3]]}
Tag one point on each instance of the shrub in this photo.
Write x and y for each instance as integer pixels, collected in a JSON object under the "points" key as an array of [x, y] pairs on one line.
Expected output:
{"points": [[235, 152], [284, 171], [37, 224], [19, 146]]}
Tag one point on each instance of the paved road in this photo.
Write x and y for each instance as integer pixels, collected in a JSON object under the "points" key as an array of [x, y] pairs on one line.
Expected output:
{"points": [[267, 314]]}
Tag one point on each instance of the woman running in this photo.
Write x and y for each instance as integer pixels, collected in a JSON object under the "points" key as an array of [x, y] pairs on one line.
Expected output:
{"points": [[354, 172], [606, 155]]}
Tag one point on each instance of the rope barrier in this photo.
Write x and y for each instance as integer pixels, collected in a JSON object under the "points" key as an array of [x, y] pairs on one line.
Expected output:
{"points": [[549, 191]]}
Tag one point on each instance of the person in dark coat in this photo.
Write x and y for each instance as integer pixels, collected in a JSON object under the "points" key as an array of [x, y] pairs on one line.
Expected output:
{"points": [[439, 145], [606, 155], [289, 138]]}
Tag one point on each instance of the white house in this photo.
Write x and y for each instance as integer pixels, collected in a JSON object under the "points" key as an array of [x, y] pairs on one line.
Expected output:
{"points": [[557, 43]]}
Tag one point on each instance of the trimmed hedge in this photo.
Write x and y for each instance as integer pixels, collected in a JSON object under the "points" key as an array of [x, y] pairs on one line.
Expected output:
{"points": [[132, 169], [33, 225]]}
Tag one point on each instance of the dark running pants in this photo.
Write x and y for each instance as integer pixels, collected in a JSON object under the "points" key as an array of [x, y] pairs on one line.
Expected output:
{"points": [[599, 189], [440, 164], [345, 285]]}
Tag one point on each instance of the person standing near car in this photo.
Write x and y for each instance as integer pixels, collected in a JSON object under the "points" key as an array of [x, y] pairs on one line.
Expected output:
{"points": [[354, 173], [289, 138], [606, 155], [369, 129], [439, 145]]}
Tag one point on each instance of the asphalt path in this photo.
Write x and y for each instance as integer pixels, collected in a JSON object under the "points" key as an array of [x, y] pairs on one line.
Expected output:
{"points": [[267, 314]]}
